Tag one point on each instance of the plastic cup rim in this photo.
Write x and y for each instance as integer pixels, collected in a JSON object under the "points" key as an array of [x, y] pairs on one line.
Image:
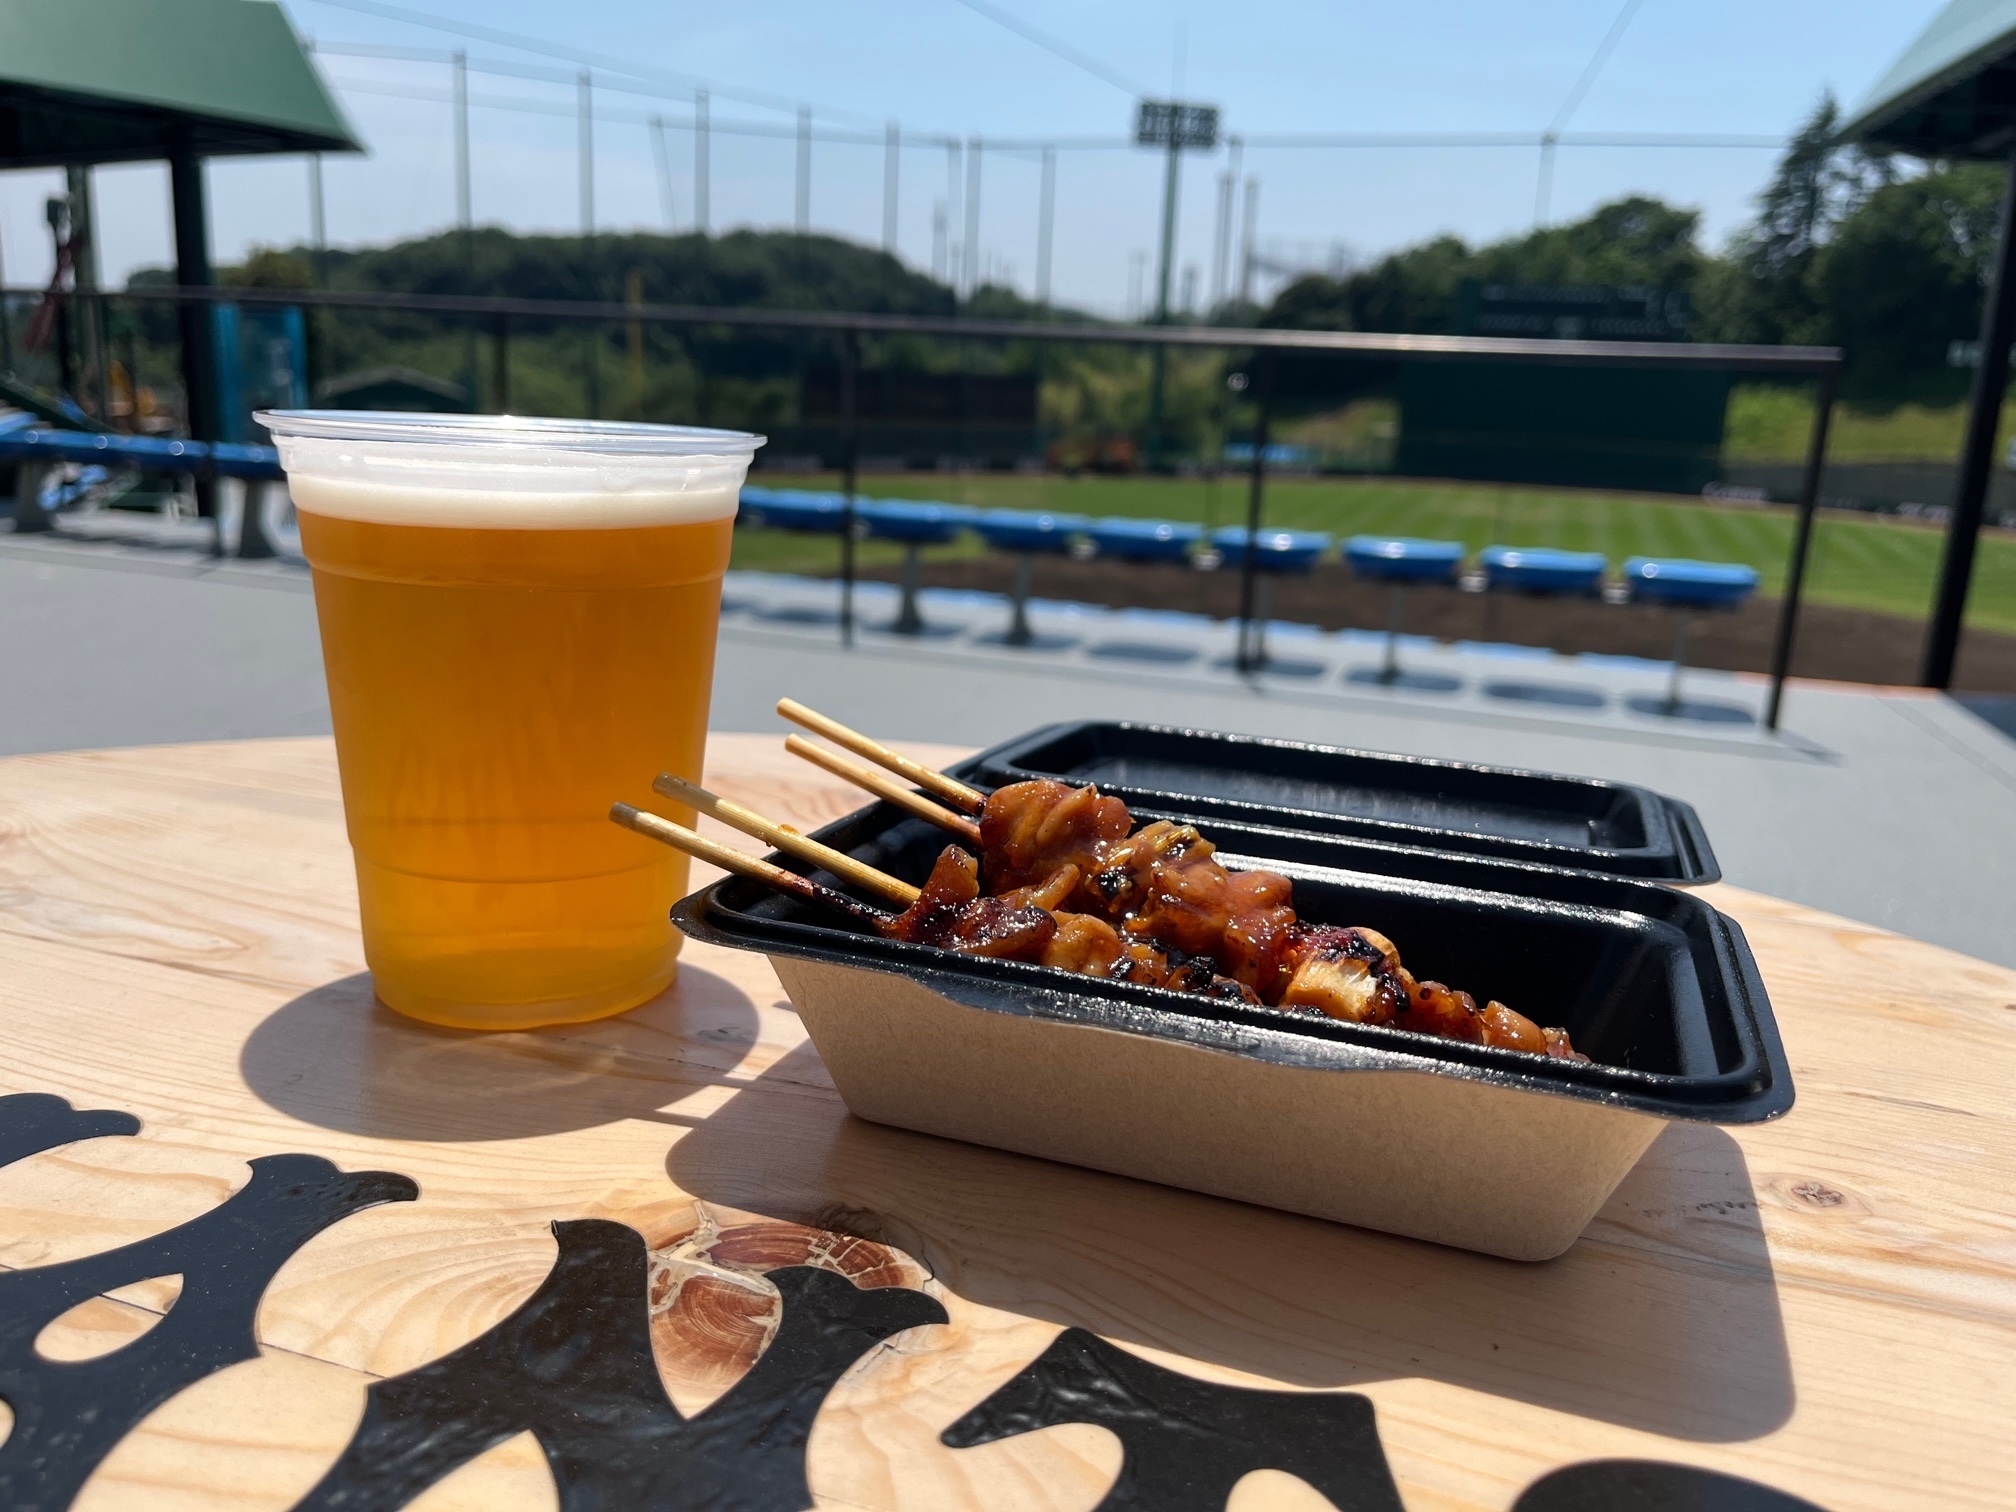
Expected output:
{"points": [[509, 432]]}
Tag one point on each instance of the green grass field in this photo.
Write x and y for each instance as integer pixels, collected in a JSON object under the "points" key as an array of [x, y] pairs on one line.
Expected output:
{"points": [[1887, 565]]}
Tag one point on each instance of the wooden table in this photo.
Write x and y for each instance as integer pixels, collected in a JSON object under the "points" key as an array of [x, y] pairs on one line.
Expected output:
{"points": [[1825, 1305]]}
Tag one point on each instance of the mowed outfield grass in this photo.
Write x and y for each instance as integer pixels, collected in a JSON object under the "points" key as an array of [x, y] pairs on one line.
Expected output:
{"points": [[1861, 562]]}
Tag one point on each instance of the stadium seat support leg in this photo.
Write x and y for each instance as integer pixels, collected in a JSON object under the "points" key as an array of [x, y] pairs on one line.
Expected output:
{"points": [[1018, 627], [1391, 671], [29, 515], [253, 542], [1263, 609], [908, 620], [1679, 662]]}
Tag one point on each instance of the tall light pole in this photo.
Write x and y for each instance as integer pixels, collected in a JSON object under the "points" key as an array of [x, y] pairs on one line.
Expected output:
{"points": [[663, 156], [802, 217], [1248, 236], [1046, 226], [1221, 249], [464, 218], [972, 258], [462, 211], [700, 161], [318, 224], [1174, 127], [892, 152], [585, 132]]}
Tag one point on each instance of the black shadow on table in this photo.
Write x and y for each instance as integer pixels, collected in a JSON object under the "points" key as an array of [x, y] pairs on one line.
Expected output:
{"points": [[1664, 1317], [1148, 653], [1036, 642], [1555, 695], [1412, 682], [1276, 666], [1700, 711], [338, 1058]]}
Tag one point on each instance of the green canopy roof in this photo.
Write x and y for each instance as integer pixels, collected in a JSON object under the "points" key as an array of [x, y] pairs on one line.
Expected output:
{"points": [[110, 81], [1953, 92]]}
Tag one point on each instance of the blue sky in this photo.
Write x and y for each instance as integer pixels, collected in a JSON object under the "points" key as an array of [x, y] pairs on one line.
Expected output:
{"points": [[1274, 66]]}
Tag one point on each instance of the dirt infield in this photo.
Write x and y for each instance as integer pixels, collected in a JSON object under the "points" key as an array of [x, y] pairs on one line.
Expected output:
{"points": [[1846, 645]]}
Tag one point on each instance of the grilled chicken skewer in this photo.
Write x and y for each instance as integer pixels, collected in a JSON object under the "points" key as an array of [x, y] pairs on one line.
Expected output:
{"points": [[950, 912], [1076, 848]]}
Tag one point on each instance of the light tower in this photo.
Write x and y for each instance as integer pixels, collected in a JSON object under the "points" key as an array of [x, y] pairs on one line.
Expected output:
{"points": [[1174, 127]]}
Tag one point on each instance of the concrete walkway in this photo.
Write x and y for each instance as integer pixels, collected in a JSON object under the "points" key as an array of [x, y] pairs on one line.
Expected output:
{"points": [[1889, 806]]}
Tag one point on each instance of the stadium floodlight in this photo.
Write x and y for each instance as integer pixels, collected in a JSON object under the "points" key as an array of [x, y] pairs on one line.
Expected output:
{"points": [[1170, 123], [1175, 127]]}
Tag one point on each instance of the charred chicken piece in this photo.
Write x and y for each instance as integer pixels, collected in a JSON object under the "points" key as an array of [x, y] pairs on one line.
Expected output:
{"points": [[1212, 929], [1030, 831], [951, 914]]}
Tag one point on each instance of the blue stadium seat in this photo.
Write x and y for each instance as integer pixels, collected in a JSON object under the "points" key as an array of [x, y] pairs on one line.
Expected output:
{"points": [[1027, 533], [1543, 569], [1273, 550], [1401, 562], [1676, 580], [915, 524], [1403, 559], [792, 509], [1145, 540], [1691, 587]]}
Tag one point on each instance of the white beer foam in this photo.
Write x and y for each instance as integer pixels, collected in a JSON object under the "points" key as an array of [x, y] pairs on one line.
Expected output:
{"points": [[501, 473]]}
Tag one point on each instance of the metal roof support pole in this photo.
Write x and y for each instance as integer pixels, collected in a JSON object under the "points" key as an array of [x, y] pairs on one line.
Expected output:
{"points": [[196, 328], [1977, 453], [1252, 653], [1802, 541]]}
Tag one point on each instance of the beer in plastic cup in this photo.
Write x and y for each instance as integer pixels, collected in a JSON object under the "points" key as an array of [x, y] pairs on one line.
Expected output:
{"points": [[518, 624]]}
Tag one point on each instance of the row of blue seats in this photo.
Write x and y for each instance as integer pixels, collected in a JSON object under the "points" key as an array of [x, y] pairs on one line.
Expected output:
{"points": [[1546, 569], [223, 459], [1398, 560]]}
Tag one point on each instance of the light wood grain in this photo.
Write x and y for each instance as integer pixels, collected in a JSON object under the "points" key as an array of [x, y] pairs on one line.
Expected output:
{"points": [[1827, 1304]]}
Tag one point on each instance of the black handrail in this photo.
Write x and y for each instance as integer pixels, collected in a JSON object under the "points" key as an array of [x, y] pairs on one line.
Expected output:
{"points": [[1822, 363]]}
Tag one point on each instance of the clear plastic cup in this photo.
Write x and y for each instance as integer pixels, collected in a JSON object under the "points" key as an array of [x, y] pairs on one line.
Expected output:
{"points": [[518, 621]]}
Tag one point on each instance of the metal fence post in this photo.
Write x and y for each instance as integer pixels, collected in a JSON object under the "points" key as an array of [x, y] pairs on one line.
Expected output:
{"points": [[850, 460], [1250, 656], [253, 542], [1802, 542], [500, 361]]}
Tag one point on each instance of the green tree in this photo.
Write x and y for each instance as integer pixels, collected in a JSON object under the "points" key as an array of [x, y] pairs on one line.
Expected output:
{"points": [[1903, 277], [1768, 289], [1635, 240]]}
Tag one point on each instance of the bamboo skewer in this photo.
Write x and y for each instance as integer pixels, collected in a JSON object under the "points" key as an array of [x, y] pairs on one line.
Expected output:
{"points": [[885, 788], [786, 840], [953, 791], [731, 860]]}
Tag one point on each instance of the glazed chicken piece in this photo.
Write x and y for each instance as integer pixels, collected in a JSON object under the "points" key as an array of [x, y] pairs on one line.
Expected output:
{"points": [[1155, 905], [1030, 831], [1351, 974], [951, 913], [1435, 1009]]}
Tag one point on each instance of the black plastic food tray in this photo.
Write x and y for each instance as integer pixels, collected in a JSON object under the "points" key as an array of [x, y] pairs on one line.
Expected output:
{"points": [[1574, 822], [1655, 985]]}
